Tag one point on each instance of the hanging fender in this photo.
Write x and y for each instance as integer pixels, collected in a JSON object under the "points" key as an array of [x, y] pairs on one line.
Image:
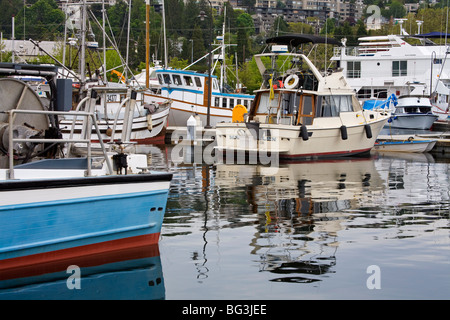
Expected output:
{"points": [[368, 130], [344, 135], [304, 132], [291, 81], [149, 122]]}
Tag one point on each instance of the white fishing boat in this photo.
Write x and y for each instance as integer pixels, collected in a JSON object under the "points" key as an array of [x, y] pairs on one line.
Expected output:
{"points": [[149, 118], [56, 207], [413, 112], [383, 65], [188, 93], [312, 115]]}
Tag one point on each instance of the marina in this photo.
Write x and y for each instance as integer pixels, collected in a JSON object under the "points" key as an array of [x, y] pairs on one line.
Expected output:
{"points": [[297, 231], [325, 214]]}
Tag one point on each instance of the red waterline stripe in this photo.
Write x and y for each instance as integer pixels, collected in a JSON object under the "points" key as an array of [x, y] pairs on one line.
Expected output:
{"points": [[143, 246], [325, 154]]}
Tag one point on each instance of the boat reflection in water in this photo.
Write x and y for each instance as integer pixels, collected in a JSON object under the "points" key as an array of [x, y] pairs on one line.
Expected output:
{"points": [[128, 273], [301, 208]]}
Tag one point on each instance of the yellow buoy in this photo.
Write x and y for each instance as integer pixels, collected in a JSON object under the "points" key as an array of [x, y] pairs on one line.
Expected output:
{"points": [[238, 113]]}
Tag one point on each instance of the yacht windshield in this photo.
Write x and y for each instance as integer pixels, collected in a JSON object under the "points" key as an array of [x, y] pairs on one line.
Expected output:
{"points": [[267, 105], [331, 106]]}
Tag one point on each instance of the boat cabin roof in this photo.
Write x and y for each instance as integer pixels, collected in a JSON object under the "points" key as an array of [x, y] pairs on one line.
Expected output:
{"points": [[298, 39]]}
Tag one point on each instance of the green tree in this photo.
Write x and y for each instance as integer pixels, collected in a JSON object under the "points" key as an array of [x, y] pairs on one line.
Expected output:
{"points": [[301, 28], [8, 9], [396, 10], [245, 27], [43, 21], [329, 26], [279, 27]]}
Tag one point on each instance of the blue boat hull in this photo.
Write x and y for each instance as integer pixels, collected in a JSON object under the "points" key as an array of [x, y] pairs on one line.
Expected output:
{"points": [[75, 216]]}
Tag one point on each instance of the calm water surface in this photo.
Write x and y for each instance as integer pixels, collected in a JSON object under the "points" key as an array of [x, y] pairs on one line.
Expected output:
{"points": [[365, 228]]}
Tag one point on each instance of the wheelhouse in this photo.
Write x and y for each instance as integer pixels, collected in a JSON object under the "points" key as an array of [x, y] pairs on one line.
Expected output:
{"points": [[297, 108]]}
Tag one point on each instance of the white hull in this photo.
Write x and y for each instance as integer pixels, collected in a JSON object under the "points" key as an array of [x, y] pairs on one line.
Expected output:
{"points": [[147, 129], [412, 121], [286, 141], [405, 146]]}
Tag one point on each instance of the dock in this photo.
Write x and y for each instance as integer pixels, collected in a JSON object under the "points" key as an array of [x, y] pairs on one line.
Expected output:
{"points": [[203, 136], [441, 126]]}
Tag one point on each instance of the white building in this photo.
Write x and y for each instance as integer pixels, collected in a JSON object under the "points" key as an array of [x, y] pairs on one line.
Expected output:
{"points": [[25, 50]]}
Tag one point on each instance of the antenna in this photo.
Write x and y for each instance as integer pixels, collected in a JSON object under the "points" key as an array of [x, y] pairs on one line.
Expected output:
{"points": [[400, 22], [419, 24]]}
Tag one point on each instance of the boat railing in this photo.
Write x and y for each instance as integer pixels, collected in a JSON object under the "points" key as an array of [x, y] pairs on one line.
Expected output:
{"points": [[90, 116], [129, 104], [348, 51], [359, 50]]}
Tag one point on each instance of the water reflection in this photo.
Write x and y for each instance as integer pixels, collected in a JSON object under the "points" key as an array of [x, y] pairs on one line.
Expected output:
{"points": [[298, 215], [132, 273], [301, 208]]}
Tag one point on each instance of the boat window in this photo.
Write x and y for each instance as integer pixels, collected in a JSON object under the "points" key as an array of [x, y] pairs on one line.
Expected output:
{"points": [[425, 109], [188, 81], [331, 106], [306, 112], [224, 102], [238, 101], [399, 68], [267, 105], [245, 103], [177, 79], [231, 103], [167, 79], [160, 79], [198, 81], [410, 109], [216, 102], [215, 85], [327, 108], [353, 69], [289, 103]]}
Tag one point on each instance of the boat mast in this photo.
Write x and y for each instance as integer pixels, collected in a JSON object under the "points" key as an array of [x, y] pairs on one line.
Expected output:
{"points": [[147, 43], [222, 70], [128, 39], [83, 46], [104, 42], [164, 34]]}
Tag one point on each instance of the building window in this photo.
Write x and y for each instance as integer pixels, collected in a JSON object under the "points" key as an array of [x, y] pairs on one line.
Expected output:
{"points": [[364, 93], [399, 68], [353, 69]]}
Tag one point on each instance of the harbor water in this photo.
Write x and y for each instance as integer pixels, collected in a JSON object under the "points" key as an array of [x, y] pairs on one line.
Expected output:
{"points": [[365, 228], [374, 227]]}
